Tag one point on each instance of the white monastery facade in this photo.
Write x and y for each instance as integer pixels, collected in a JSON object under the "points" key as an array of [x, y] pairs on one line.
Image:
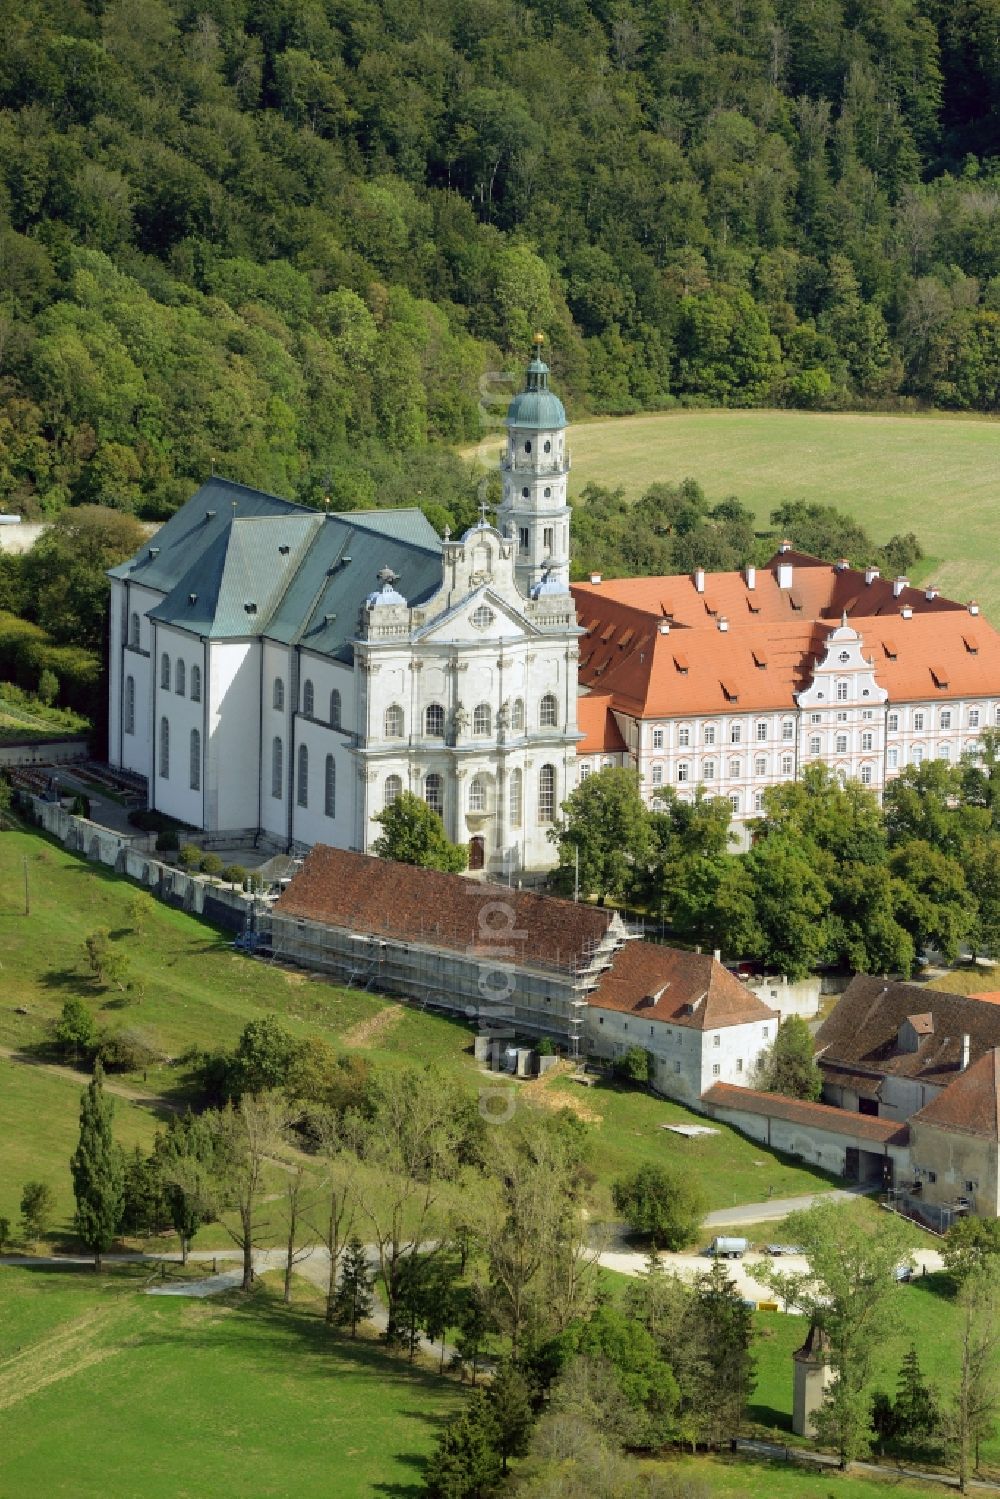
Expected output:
{"points": [[286, 673]]}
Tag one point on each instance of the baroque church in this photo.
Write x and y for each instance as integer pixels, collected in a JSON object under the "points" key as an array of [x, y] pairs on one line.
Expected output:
{"points": [[286, 673]]}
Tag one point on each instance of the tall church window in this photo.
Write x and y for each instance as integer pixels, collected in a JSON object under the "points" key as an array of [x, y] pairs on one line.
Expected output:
{"points": [[308, 698], [195, 776], [133, 630], [164, 749], [547, 538], [516, 799], [303, 776], [335, 708], [547, 711], [434, 721], [330, 787], [482, 719], [522, 539], [477, 794], [196, 684], [165, 672], [517, 715], [130, 705], [180, 684], [547, 447], [278, 694], [394, 721], [277, 770], [434, 792], [547, 793], [393, 789]]}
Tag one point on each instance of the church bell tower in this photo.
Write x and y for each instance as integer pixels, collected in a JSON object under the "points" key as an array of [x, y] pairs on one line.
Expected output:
{"points": [[534, 469]]}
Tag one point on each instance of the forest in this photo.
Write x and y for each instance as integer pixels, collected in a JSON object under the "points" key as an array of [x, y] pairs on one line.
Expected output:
{"points": [[287, 240]]}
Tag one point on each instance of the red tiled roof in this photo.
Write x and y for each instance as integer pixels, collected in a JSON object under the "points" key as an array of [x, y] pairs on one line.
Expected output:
{"points": [[377, 897], [971, 1105], [678, 988], [862, 1030], [767, 656], [598, 726], [814, 1115]]}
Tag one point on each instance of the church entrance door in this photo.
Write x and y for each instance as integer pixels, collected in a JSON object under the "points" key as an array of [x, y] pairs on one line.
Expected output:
{"points": [[477, 853]]}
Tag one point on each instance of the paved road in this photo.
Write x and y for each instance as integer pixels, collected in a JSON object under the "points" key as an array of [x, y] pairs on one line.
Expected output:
{"points": [[776, 1207]]}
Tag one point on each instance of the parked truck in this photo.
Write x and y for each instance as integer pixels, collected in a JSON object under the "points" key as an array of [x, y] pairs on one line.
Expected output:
{"points": [[728, 1249]]}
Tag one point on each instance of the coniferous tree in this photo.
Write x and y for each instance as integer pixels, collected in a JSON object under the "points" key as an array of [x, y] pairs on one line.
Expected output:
{"points": [[467, 1461], [509, 1397], [184, 1155], [98, 1176], [915, 1409], [354, 1300]]}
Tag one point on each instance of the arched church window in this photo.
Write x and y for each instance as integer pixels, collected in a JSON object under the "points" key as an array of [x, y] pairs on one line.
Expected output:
{"points": [[179, 678], [195, 776], [434, 721], [164, 749], [516, 799], [477, 794], [548, 491], [527, 446], [393, 789], [394, 721], [278, 694], [335, 709], [434, 792], [133, 631], [548, 446], [330, 787], [547, 793], [482, 719], [547, 711], [308, 699], [130, 705], [517, 714], [525, 493], [276, 766], [303, 776], [165, 672], [196, 684]]}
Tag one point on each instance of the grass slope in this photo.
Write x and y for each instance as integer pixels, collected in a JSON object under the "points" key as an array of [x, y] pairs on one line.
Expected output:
{"points": [[193, 1398], [935, 475]]}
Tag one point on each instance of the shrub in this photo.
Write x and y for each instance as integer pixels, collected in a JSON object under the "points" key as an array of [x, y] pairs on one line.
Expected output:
{"points": [[662, 1205], [235, 875], [167, 842], [48, 686], [37, 1203], [189, 855], [546, 1047], [634, 1065], [210, 864], [81, 806], [74, 1032], [124, 1051]]}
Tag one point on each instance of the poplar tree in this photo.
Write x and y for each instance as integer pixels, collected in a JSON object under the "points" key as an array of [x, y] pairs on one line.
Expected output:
{"points": [[98, 1171]]}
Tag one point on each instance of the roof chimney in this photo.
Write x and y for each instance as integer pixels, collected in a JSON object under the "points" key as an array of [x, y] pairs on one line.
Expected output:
{"points": [[966, 1051], [973, 607], [699, 579], [898, 585], [751, 577], [906, 612], [871, 573], [786, 572], [723, 623], [932, 591], [595, 577], [785, 545], [842, 564], [664, 627], [717, 955]]}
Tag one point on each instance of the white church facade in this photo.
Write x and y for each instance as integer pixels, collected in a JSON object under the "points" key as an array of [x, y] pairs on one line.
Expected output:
{"points": [[285, 673]]}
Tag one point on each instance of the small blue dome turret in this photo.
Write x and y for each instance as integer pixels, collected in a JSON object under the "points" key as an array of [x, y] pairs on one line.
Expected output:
{"points": [[536, 406]]}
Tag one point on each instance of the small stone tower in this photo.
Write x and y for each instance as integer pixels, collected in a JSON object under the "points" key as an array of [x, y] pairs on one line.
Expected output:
{"points": [[812, 1379], [534, 469]]}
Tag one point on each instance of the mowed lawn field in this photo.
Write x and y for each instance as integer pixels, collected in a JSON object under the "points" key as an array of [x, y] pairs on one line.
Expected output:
{"points": [[936, 475], [106, 1393]]}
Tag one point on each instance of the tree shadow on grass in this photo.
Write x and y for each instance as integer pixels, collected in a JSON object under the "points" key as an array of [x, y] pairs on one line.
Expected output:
{"points": [[769, 1416], [65, 980]]}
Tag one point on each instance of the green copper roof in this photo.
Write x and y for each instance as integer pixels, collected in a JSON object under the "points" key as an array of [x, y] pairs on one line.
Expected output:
{"points": [[536, 406], [271, 568]]}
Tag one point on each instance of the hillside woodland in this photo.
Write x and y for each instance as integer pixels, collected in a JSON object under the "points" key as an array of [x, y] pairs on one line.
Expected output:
{"points": [[286, 239]]}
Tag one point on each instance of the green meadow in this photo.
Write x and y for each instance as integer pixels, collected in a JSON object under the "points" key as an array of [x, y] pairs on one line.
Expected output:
{"points": [[936, 475]]}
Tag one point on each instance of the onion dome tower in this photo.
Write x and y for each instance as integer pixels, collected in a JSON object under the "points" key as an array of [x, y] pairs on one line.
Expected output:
{"points": [[534, 469]]}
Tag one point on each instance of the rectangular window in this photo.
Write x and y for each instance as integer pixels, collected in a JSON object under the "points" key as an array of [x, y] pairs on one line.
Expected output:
{"points": [[657, 738], [758, 801], [735, 733], [762, 730], [547, 538], [815, 745], [841, 747], [716, 1070], [867, 714], [973, 718], [867, 740], [682, 771], [710, 732], [815, 718], [918, 722], [841, 717], [522, 539], [716, 1040], [946, 718], [842, 691], [892, 723], [788, 730], [684, 736], [739, 1064], [892, 758], [786, 765]]}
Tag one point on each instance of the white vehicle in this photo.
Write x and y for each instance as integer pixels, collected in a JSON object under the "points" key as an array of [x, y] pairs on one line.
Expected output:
{"points": [[728, 1249]]}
